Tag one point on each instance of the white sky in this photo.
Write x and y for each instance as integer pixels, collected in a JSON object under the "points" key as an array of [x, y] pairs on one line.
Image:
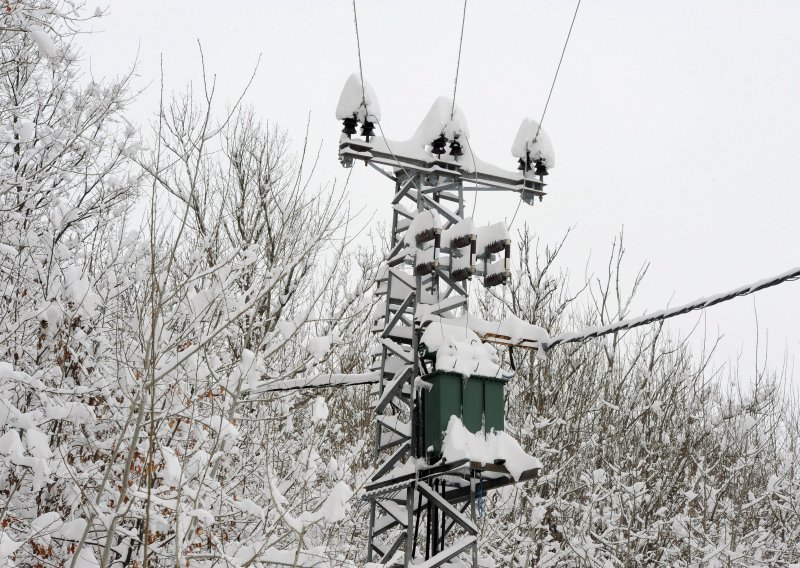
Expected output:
{"points": [[678, 121]]}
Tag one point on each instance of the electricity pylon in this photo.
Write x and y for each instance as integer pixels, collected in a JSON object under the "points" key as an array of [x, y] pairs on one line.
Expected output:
{"points": [[423, 507]]}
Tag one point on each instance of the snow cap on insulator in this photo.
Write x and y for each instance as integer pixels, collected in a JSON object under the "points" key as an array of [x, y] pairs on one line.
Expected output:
{"points": [[533, 147], [351, 101], [438, 123]]}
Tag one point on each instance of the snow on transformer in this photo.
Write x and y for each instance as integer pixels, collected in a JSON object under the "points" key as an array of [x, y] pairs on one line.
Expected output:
{"points": [[467, 382]]}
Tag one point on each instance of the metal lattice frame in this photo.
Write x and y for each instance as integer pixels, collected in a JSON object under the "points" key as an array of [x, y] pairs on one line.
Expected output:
{"points": [[441, 494]]}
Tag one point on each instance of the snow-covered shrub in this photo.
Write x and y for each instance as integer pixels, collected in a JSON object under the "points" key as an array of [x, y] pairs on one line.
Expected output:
{"points": [[648, 458]]}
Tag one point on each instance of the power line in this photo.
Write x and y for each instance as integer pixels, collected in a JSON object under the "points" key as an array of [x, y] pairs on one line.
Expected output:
{"points": [[558, 68], [586, 334], [699, 304], [575, 337], [458, 62], [549, 95], [367, 114], [360, 66]]}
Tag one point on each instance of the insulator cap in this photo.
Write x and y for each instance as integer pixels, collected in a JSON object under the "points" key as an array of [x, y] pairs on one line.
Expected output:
{"points": [[438, 145], [367, 129], [349, 126]]}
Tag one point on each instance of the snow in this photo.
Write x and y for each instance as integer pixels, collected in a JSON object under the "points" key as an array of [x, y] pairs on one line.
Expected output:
{"points": [[518, 329], [203, 516], [248, 368], [172, 466], [73, 530], [286, 328], [425, 256], [319, 411], [333, 466], [77, 289], [527, 141], [468, 359], [460, 262], [396, 424], [378, 310], [259, 554], [416, 149], [25, 130], [43, 41], [10, 444], [248, 506], [496, 268], [351, 101], [71, 411], [510, 326], [319, 346], [491, 234], [463, 228], [38, 443], [412, 148], [8, 546], [437, 334], [46, 523], [335, 507], [422, 222], [459, 443], [222, 427], [438, 122], [458, 349], [85, 559]]}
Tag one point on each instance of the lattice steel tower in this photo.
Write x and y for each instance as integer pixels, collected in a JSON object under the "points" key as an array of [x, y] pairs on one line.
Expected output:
{"points": [[420, 504]]}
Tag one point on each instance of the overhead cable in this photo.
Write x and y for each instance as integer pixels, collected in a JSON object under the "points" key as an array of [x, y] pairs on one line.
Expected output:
{"points": [[360, 66], [558, 68], [699, 304], [458, 62], [550, 94]]}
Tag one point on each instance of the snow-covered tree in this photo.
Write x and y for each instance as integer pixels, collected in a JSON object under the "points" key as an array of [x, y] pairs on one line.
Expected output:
{"points": [[136, 423], [64, 193]]}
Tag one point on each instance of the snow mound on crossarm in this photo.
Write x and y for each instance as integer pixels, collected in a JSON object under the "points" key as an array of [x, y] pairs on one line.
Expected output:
{"points": [[512, 326], [351, 101], [459, 443], [438, 122], [539, 145]]}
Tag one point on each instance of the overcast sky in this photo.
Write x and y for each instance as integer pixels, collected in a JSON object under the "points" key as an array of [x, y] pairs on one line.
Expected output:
{"points": [[679, 121]]}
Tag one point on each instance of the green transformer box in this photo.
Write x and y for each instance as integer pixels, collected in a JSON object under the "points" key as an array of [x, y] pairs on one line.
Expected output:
{"points": [[479, 402]]}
